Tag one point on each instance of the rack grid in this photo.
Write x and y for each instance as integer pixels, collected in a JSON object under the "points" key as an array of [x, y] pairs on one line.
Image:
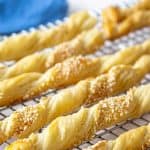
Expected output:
{"points": [[109, 133], [111, 47]]}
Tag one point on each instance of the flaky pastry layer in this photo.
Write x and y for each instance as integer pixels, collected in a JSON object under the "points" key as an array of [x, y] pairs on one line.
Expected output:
{"points": [[29, 119], [118, 21], [135, 139], [67, 131], [131, 23], [16, 47], [85, 43], [68, 72], [116, 14]]}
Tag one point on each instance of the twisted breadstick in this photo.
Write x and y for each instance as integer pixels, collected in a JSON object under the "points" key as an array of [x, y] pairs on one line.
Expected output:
{"points": [[66, 73], [116, 14], [65, 132], [135, 139], [85, 43], [62, 74], [125, 19], [131, 23], [141, 5], [118, 21], [29, 119], [16, 47]]}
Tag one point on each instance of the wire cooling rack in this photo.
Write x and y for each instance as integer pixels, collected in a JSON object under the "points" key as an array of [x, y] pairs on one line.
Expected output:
{"points": [[114, 131], [108, 133]]}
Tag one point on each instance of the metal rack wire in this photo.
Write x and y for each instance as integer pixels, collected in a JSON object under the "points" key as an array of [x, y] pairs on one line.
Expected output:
{"points": [[114, 131]]}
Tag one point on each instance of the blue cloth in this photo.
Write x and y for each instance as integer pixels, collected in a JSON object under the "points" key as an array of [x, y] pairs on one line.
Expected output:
{"points": [[16, 15]]}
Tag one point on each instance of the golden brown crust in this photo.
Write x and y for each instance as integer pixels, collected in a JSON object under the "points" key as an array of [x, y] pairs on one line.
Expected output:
{"points": [[142, 4], [132, 53], [16, 47], [118, 21], [68, 72], [85, 43], [32, 118], [116, 14], [67, 131], [131, 23], [62, 74], [135, 139]]}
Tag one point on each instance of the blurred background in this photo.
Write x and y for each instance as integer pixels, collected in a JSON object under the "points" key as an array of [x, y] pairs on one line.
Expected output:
{"points": [[21, 15], [75, 5]]}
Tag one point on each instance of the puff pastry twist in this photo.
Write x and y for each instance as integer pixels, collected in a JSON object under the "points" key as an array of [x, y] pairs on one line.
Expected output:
{"points": [[135, 139], [85, 43], [66, 73], [131, 23], [118, 21], [67, 131], [29, 119], [16, 47], [116, 14]]}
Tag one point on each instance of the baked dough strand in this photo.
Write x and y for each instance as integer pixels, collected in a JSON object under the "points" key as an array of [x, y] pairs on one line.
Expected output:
{"points": [[29, 119], [118, 22], [68, 72], [28, 85], [85, 43], [131, 23], [115, 14], [67, 131], [16, 47], [135, 139]]}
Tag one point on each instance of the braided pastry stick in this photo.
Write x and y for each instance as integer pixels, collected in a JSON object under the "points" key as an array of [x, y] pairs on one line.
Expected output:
{"points": [[66, 73], [131, 23], [116, 14], [29, 119], [85, 43], [135, 139], [16, 47], [67, 131]]}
